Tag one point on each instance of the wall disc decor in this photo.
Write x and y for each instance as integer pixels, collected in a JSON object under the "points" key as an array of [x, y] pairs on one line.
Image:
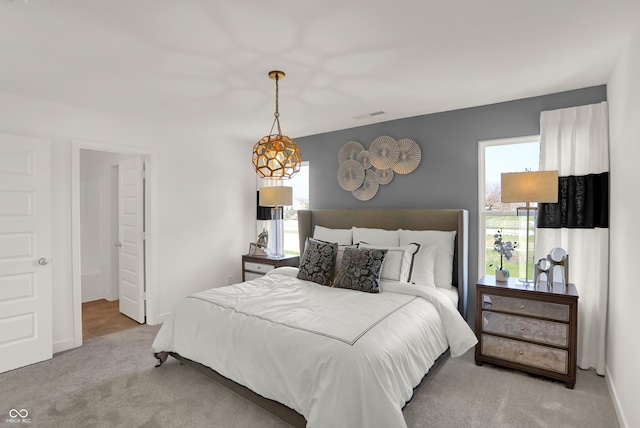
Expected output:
{"points": [[384, 152], [369, 187], [363, 158], [409, 157], [362, 172], [384, 176], [349, 150], [350, 175]]}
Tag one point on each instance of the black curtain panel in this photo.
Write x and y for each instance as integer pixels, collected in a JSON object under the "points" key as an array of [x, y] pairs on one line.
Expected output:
{"points": [[263, 213], [583, 203]]}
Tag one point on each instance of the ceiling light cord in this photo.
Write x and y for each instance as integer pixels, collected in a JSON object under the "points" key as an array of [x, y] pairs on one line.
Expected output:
{"points": [[277, 113]]}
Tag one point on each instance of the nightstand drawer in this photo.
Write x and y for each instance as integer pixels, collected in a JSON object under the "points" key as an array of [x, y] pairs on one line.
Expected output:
{"points": [[535, 308], [526, 353], [248, 276], [258, 267], [545, 332]]}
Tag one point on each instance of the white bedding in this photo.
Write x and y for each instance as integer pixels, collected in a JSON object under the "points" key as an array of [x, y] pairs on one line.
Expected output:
{"points": [[451, 293], [341, 358]]}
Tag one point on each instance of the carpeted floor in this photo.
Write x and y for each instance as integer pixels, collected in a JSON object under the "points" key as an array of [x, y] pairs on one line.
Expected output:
{"points": [[111, 382]]}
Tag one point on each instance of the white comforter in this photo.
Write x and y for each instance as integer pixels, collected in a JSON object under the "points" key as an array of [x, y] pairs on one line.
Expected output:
{"points": [[341, 358]]}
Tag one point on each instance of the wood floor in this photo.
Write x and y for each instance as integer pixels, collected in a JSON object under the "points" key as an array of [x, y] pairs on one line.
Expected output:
{"points": [[100, 317]]}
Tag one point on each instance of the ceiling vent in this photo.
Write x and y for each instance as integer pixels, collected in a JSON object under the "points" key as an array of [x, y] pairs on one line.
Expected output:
{"points": [[366, 115]]}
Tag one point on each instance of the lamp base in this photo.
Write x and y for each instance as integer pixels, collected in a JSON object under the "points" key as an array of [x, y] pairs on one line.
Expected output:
{"points": [[278, 251], [277, 256]]}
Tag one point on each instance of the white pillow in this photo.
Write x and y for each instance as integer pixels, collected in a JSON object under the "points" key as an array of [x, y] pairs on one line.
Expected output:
{"points": [[445, 242], [424, 264], [377, 236], [339, 236], [398, 261]]}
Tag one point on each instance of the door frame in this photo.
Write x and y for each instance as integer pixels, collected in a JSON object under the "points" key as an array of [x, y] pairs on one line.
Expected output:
{"points": [[151, 256]]}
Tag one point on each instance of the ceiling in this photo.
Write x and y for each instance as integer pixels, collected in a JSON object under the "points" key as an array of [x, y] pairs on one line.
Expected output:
{"points": [[205, 62]]}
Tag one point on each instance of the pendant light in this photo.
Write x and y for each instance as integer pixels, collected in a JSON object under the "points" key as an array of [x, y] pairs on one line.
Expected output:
{"points": [[276, 156]]}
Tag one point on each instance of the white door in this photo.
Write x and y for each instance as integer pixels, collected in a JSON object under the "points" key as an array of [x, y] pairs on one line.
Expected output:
{"points": [[25, 250], [131, 235]]}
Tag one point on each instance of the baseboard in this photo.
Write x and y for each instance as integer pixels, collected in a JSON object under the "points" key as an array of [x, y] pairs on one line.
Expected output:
{"points": [[614, 397], [64, 345], [158, 319]]}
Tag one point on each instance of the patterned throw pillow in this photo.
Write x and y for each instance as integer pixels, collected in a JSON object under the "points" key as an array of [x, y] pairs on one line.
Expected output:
{"points": [[360, 269], [318, 261]]}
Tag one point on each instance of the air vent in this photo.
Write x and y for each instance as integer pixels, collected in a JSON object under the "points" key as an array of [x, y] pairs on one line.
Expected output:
{"points": [[366, 115]]}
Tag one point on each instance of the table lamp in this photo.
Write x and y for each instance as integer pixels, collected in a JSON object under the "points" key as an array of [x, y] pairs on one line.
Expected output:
{"points": [[276, 197], [528, 187]]}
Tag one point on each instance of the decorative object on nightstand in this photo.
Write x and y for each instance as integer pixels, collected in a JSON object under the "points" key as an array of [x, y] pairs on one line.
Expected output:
{"points": [[528, 187], [276, 156], [506, 250], [541, 270], [559, 263], [533, 330], [255, 266], [276, 197], [258, 248], [556, 261]]}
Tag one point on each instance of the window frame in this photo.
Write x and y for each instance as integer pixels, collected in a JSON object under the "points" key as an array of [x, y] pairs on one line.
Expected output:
{"points": [[482, 212], [265, 182]]}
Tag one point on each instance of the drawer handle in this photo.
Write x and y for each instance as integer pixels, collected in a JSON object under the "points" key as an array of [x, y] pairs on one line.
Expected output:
{"points": [[521, 328], [521, 306], [521, 352]]}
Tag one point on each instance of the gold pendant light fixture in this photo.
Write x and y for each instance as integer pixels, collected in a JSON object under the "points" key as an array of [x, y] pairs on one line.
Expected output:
{"points": [[276, 156]]}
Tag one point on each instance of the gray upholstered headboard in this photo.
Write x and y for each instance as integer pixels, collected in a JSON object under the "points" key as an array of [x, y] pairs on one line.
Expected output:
{"points": [[400, 218]]}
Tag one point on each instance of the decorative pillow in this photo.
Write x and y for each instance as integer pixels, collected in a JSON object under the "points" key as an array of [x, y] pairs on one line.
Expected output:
{"points": [[318, 261], [376, 236], [445, 242], [424, 264], [340, 255], [360, 269], [398, 262], [341, 236]]}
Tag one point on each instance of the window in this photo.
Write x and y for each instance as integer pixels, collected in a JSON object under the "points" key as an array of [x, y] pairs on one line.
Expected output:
{"points": [[300, 184], [495, 157]]}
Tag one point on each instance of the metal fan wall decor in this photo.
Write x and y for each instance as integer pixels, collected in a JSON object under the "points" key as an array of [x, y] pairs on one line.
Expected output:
{"points": [[362, 171]]}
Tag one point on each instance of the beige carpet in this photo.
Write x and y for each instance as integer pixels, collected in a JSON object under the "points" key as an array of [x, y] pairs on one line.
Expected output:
{"points": [[111, 382]]}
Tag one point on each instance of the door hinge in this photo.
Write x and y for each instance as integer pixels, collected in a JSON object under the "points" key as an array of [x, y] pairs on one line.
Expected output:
{"points": [[144, 236], [144, 296], [143, 174]]}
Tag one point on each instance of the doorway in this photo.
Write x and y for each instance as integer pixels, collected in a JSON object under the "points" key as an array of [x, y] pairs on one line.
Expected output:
{"points": [[100, 243], [96, 197]]}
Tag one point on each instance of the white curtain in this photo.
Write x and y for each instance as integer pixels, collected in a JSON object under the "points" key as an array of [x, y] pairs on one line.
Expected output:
{"points": [[575, 141]]}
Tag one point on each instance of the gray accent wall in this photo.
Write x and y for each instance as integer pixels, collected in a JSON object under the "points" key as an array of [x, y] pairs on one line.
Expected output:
{"points": [[447, 176]]}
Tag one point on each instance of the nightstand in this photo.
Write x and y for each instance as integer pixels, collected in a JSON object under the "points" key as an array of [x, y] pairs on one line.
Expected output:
{"points": [[256, 266], [533, 329]]}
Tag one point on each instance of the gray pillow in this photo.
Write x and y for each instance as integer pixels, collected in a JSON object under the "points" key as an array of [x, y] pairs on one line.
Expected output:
{"points": [[360, 269], [318, 261]]}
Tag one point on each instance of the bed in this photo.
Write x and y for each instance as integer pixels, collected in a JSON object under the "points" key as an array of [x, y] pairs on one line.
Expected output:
{"points": [[321, 356]]}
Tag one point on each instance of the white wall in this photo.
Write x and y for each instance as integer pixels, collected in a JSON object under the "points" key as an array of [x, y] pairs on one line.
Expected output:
{"points": [[205, 206], [623, 346]]}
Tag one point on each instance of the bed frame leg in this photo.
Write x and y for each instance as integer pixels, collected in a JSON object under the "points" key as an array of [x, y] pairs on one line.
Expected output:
{"points": [[161, 357]]}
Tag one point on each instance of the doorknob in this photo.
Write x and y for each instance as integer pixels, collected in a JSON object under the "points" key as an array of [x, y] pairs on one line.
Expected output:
{"points": [[42, 261], [118, 244]]}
